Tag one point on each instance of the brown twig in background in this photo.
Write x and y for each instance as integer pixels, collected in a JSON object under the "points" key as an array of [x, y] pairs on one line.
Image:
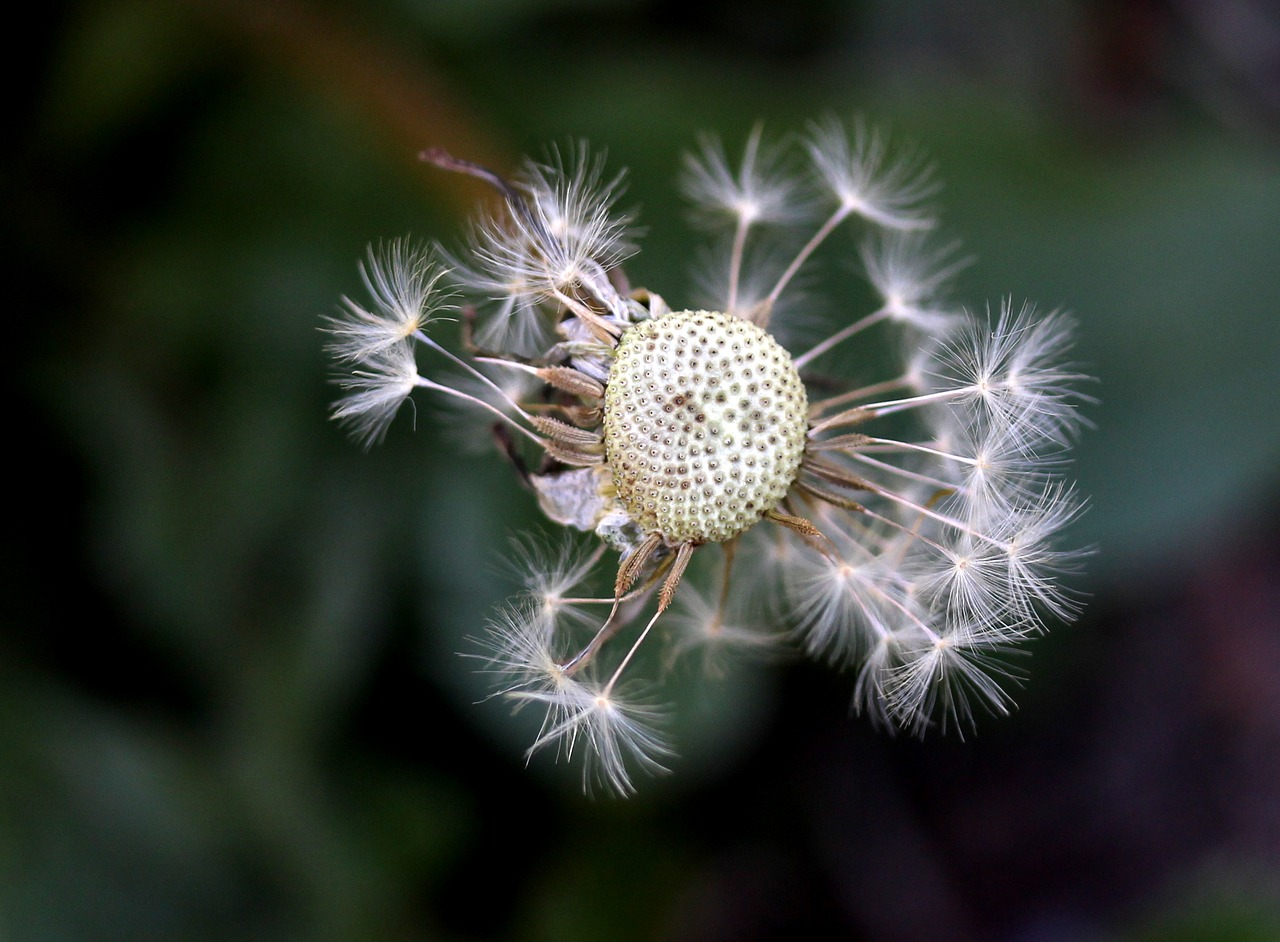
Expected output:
{"points": [[398, 96]]}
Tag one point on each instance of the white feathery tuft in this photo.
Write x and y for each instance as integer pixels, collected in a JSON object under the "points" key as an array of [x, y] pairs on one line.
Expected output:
{"points": [[759, 193], [858, 171], [375, 391]]}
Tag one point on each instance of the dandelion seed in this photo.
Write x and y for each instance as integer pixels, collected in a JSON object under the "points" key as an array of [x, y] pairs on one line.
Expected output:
{"points": [[759, 191], [857, 169], [376, 389], [905, 527]]}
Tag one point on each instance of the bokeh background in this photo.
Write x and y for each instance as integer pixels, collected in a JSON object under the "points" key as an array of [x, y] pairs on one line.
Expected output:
{"points": [[230, 701]]}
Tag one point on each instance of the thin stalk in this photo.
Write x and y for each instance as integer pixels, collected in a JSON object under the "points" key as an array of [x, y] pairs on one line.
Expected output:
{"points": [[425, 383], [839, 216], [840, 336], [735, 261], [877, 409], [897, 446], [613, 680], [944, 519], [904, 472], [872, 389]]}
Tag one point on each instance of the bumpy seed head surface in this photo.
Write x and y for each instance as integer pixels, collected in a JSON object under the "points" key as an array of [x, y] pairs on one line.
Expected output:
{"points": [[704, 425]]}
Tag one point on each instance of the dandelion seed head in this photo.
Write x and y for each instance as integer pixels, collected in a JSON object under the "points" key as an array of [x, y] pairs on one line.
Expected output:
{"points": [[905, 527]]}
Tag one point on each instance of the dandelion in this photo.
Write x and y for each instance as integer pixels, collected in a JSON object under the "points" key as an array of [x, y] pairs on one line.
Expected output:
{"points": [[904, 528]]}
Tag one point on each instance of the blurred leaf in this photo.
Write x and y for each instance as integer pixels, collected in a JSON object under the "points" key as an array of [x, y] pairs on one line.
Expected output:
{"points": [[1241, 911], [117, 62], [269, 785], [618, 877]]}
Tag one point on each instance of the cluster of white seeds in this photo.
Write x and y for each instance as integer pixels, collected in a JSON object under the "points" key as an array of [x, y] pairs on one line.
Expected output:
{"points": [[909, 521]]}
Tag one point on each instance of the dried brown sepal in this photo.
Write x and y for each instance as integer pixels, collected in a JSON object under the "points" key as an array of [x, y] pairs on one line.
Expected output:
{"points": [[851, 442], [668, 592], [830, 497], [574, 457], [569, 380], [836, 475], [798, 524], [581, 415], [571, 455], [634, 564], [854, 416], [566, 433]]}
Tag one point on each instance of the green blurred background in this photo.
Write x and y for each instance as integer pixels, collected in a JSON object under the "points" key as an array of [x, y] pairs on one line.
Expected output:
{"points": [[230, 703]]}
